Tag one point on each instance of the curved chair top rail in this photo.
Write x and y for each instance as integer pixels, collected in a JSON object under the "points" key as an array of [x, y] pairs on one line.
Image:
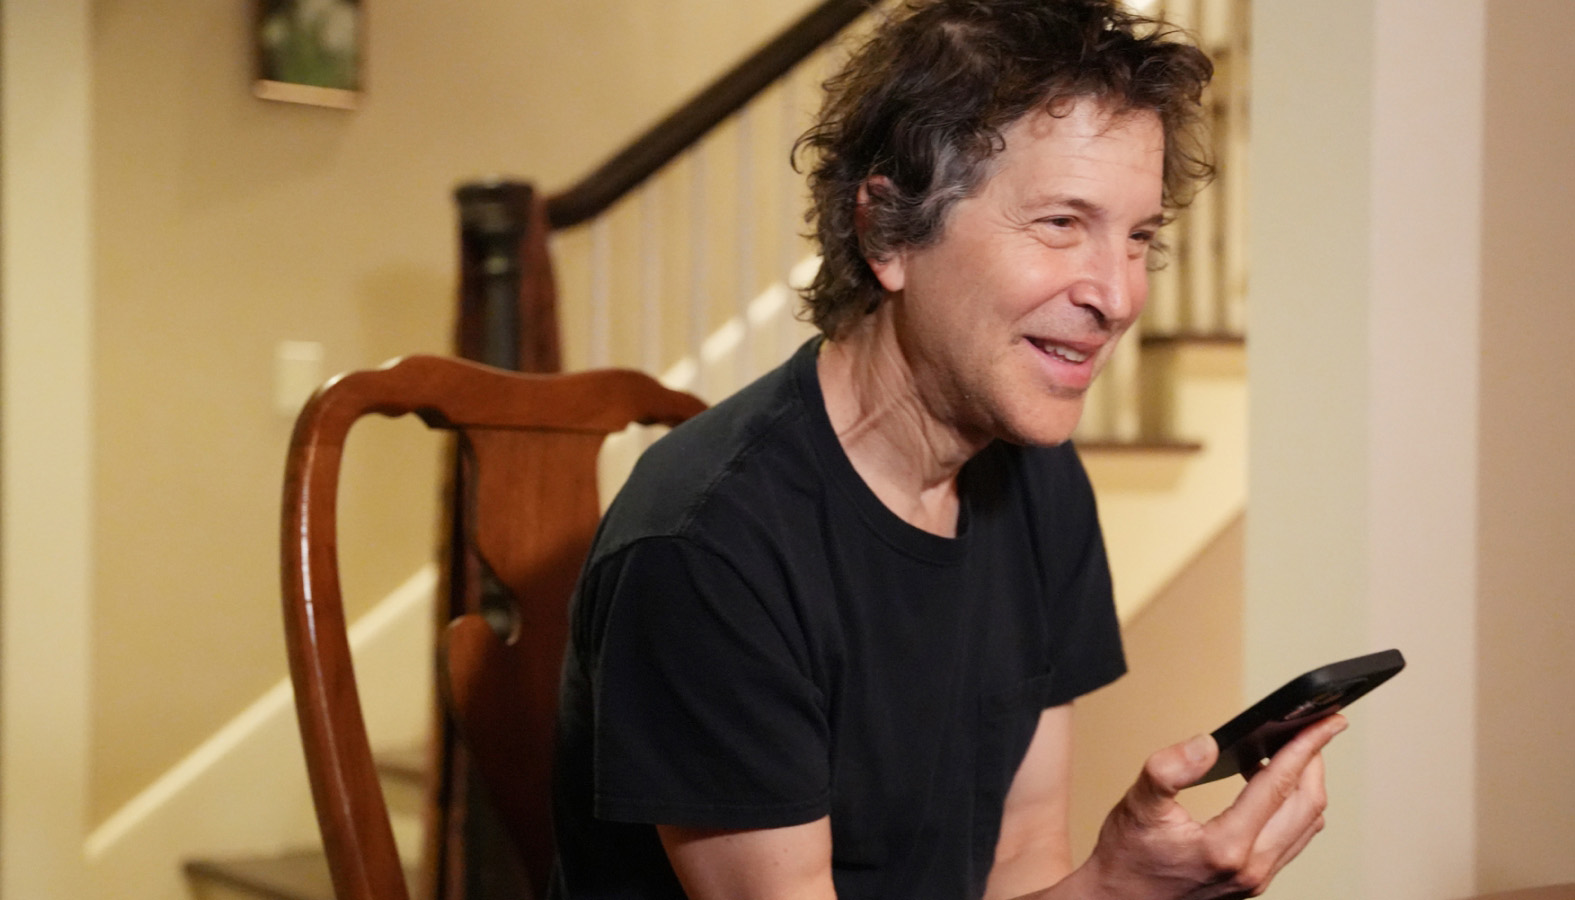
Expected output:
{"points": [[445, 393], [448, 392], [595, 192]]}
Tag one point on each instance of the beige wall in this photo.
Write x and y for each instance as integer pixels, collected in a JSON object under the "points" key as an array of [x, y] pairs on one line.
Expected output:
{"points": [[227, 224], [1526, 580], [1410, 478], [1184, 676]]}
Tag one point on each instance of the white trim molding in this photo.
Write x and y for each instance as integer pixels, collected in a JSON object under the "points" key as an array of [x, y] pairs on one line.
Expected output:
{"points": [[46, 413]]}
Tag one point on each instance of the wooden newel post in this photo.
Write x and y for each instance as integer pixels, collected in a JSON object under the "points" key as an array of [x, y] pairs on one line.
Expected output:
{"points": [[507, 318], [508, 314]]}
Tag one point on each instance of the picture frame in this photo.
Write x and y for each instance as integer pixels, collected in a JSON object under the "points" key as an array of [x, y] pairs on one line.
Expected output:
{"points": [[310, 51]]}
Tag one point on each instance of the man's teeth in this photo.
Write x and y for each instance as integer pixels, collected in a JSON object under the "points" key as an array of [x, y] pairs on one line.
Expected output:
{"points": [[1066, 353]]}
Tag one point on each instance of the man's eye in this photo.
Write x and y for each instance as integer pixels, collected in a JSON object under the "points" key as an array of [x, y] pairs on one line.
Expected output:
{"points": [[1060, 221]]}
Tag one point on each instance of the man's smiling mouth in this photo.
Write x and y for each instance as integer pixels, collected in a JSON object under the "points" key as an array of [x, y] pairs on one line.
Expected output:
{"points": [[1060, 351]]}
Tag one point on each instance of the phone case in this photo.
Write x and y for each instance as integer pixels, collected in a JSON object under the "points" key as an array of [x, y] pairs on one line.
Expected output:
{"points": [[1266, 726]]}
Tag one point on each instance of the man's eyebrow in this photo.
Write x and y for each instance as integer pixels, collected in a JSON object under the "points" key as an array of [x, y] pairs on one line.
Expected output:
{"points": [[1080, 204], [1157, 220]]}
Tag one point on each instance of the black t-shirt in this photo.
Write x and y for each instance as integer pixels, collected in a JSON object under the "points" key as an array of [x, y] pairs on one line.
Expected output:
{"points": [[758, 641]]}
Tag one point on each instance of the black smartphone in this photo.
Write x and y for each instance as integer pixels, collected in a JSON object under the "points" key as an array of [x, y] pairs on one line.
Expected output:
{"points": [[1266, 726]]}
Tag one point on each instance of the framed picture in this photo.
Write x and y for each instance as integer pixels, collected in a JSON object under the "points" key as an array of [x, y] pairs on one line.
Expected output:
{"points": [[311, 51]]}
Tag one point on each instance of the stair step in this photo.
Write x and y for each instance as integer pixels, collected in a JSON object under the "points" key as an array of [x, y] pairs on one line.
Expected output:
{"points": [[297, 875], [1142, 445], [303, 874], [406, 764], [403, 775], [1195, 338]]}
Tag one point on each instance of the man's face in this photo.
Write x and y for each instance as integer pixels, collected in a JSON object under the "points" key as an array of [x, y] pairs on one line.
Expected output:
{"points": [[1006, 319]]}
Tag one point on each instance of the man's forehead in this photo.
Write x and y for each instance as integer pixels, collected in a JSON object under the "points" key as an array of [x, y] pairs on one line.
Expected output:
{"points": [[1097, 117], [1043, 152]]}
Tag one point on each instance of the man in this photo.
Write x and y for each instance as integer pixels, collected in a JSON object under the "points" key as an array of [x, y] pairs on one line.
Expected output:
{"points": [[828, 639]]}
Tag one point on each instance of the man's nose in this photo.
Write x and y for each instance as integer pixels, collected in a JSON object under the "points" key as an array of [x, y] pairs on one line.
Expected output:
{"points": [[1106, 286]]}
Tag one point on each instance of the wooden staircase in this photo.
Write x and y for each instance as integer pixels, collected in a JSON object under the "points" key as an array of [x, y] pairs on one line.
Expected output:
{"points": [[301, 873], [293, 875]]}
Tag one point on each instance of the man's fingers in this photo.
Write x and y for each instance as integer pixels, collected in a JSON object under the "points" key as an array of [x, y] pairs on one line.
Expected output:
{"points": [[1171, 769], [1246, 855], [1278, 781], [1300, 844], [1282, 856], [1296, 822]]}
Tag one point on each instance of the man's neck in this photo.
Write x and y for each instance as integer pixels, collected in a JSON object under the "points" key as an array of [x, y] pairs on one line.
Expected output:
{"points": [[906, 451]]}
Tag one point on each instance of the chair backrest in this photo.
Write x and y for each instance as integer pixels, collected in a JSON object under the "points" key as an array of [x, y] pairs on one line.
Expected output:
{"points": [[527, 447]]}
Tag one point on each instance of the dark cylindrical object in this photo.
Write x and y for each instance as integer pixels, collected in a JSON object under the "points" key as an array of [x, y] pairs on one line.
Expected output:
{"points": [[493, 216]]}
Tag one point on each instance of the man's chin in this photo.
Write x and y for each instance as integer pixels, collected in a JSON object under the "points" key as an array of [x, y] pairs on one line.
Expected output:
{"points": [[1047, 428]]}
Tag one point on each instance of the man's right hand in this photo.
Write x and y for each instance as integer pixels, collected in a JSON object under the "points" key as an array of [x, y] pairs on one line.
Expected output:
{"points": [[1151, 847]]}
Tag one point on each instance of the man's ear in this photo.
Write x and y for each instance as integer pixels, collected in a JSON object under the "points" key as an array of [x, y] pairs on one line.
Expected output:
{"points": [[889, 268]]}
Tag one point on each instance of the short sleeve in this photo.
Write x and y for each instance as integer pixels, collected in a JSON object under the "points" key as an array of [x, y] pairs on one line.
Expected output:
{"points": [[704, 715], [1087, 637]]}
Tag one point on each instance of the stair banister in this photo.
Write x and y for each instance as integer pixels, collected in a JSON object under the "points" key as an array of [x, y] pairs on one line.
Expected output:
{"points": [[481, 322], [626, 169]]}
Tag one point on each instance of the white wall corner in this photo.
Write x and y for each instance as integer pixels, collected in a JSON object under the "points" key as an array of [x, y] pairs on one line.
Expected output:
{"points": [[1424, 357], [1366, 210], [1307, 554], [46, 413]]}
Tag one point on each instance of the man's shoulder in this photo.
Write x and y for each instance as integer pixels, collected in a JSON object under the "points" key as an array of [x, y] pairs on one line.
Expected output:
{"points": [[707, 474]]}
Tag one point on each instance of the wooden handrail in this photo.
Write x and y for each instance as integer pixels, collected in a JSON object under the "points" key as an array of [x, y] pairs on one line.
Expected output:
{"points": [[594, 193]]}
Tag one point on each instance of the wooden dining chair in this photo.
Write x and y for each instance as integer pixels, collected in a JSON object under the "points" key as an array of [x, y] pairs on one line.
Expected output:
{"points": [[526, 466]]}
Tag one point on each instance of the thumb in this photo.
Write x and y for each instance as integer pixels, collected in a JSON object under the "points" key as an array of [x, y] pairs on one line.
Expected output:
{"points": [[1171, 769]]}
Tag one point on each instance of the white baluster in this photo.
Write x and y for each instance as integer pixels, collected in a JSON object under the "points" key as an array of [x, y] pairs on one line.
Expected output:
{"points": [[601, 293], [1202, 258], [1095, 422], [1236, 172], [1123, 374], [1162, 315], [791, 186], [651, 356], [744, 357], [699, 248]]}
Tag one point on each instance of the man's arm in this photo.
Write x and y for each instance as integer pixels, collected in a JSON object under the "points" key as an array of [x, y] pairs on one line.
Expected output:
{"points": [[792, 863], [1035, 848], [795, 862], [1149, 847]]}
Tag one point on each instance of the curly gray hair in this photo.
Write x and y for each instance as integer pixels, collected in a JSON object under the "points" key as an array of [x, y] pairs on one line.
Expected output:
{"points": [[922, 105]]}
